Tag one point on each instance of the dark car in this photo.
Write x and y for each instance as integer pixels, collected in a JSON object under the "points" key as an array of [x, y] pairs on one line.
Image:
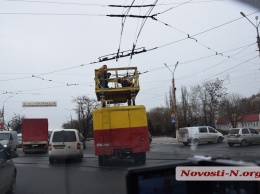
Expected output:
{"points": [[7, 171]]}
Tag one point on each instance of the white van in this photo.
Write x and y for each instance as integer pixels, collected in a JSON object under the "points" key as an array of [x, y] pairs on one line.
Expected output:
{"points": [[8, 139], [200, 134], [65, 144]]}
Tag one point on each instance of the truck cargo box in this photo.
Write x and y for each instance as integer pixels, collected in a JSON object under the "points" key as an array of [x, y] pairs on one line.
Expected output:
{"points": [[35, 134]]}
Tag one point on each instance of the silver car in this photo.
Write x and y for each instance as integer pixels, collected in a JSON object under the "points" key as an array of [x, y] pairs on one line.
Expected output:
{"points": [[243, 136], [7, 171], [199, 134]]}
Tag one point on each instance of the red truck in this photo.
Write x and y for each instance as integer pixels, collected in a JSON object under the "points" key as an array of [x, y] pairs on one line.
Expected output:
{"points": [[35, 135]]}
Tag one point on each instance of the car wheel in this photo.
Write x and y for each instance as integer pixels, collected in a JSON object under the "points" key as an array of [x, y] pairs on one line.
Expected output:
{"points": [[195, 142], [12, 186], [51, 160], [220, 140], [79, 159], [140, 158], [230, 144], [101, 160], [243, 143], [185, 143]]}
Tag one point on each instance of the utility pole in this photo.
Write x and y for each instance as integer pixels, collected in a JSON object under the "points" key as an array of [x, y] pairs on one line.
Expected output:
{"points": [[257, 31], [3, 110], [79, 114], [175, 110], [70, 117]]}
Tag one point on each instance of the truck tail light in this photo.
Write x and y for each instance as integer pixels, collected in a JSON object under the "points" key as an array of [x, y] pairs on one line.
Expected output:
{"points": [[50, 147], [78, 146]]}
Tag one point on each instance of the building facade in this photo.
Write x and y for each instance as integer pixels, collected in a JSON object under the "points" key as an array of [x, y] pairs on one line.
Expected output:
{"points": [[251, 120]]}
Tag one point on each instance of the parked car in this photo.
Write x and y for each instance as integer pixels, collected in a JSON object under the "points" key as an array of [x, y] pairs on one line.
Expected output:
{"points": [[65, 144], [9, 140], [243, 136], [7, 171], [200, 134]]}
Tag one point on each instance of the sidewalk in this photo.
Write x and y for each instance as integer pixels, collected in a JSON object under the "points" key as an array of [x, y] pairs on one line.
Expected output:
{"points": [[164, 140], [155, 140], [170, 140], [161, 140]]}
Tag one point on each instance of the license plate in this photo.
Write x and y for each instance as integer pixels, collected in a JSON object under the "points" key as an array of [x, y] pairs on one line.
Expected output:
{"points": [[35, 145]]}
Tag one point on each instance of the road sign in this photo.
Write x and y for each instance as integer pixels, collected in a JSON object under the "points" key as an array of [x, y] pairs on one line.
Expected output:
{"points": [[173, 120]]}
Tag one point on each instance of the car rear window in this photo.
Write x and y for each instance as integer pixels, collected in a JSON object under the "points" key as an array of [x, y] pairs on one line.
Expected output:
{"points": [[64, 136], [183, 131], [4, 136], [233, 131]]}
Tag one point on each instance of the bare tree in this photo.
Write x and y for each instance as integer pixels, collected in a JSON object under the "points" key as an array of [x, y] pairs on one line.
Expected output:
{"points": [[160, 121], [215, 93], [195, 106], [231, 108], [251, 104], [15, 123], [184, 105], [84, 109]]}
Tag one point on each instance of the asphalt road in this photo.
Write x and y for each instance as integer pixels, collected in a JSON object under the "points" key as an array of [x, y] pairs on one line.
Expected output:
{"points": [[37, 176]]}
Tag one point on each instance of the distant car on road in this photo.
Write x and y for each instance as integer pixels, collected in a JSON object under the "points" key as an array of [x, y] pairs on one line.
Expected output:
{"points": [[199, 134], [7, 171], [9, 140], [243, 136], [65, 144], [19, 139]]}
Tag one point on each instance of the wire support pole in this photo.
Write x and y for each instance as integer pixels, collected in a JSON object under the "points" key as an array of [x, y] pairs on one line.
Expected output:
{"points": [[257, 30], [175, 108]]}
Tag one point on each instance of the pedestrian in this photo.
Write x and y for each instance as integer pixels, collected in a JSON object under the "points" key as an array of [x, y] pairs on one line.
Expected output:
{"points": [[125, 82], [108, 76], [102, 75]]}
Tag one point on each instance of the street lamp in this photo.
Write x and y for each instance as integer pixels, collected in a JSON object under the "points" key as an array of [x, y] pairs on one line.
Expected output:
{"points": [[257, 31], [20, 113], [70, 115], [175, 110], [3, 114]]}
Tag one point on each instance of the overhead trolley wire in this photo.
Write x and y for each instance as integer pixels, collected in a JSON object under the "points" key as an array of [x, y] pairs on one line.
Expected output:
{"points": [[57, 2], [207, 79], [122, 29], [141, 28], [109, 5], [173, 7], [139, 52]]}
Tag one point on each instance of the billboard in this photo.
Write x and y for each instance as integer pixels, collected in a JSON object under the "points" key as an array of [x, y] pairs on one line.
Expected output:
{"points": [[39, 104]]}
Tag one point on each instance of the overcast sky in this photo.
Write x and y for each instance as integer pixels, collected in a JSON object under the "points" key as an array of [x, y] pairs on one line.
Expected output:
{"points": [[59, 40]]}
